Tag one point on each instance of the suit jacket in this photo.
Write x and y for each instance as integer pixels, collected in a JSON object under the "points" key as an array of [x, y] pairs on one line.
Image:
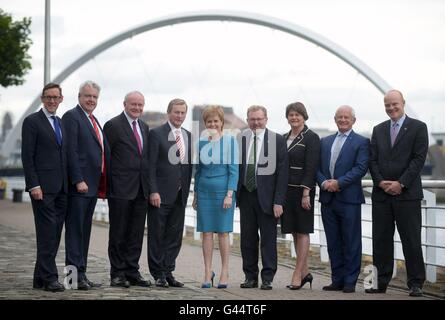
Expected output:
{"points": [[403, 162], [128, 169], [84, 152], [272, 169], [165, 171], [350, 167], [44, 161], [304, 154]]}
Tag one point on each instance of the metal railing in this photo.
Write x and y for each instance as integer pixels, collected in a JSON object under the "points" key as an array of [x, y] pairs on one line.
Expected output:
{"points": [[433, 225]]}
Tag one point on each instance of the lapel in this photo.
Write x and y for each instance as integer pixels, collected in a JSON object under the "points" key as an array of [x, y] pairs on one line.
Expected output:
{"points": [[345, 146], [402, 131], [298, 139], [89, 125], [264, 150], [129, 131], [48, 127]]}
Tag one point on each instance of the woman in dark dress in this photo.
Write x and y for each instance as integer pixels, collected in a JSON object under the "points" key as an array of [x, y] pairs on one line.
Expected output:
{"points": [[303, 148]]}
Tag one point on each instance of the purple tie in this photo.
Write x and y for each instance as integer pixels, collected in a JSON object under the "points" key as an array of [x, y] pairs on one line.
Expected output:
{"points": [[136, 135], [394, 133]]}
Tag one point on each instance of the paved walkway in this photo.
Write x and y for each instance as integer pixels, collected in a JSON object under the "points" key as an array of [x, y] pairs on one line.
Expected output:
{"points": [[17, 256]]}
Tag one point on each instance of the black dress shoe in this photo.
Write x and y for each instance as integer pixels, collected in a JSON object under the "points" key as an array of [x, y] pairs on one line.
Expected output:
{"points": [[415, 292], [161, 282], [83, 285], [348, 289], [249, 284], [333, 287], [139, 281], [372, 290], [266, 285], [172, 282], [120, 281], [37, 283], [93, 284], [54, 286]]}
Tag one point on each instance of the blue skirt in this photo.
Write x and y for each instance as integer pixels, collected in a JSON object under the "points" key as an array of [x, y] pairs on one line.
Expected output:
{"points": [[211, 215]]}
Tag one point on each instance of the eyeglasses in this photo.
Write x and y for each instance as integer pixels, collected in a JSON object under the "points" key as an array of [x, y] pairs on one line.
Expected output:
{"points": [[49, 98]]}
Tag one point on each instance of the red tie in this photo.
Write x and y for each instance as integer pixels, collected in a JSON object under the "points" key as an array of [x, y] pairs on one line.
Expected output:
{"points": [[138, 139], [101, 192], [179, 145]]}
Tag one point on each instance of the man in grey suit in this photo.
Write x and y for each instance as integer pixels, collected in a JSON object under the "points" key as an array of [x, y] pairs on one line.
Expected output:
{"points": [[398, 151], [262, 187], [127, 137], [170, 172]]}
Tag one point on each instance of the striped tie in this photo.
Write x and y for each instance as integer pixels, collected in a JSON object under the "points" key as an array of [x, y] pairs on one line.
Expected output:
{"points": [[179, 145], [250, 174]]}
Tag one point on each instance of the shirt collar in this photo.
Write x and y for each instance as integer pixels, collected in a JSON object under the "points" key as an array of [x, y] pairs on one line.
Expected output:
{"points": [[400, 121], [259, 136], [347, 133], [173, 128], [129, 119], [47, 114]]}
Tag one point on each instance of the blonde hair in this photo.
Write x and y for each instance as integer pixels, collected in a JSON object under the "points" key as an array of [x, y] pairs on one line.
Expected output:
{"points": [[211, 111]]}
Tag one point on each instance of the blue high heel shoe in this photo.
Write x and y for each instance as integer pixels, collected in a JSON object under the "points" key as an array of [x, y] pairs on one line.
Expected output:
{"points": [[222, 286], [207, 285]]}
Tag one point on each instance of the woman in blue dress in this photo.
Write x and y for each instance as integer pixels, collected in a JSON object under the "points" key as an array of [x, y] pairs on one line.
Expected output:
{"points": [[216, 179]]}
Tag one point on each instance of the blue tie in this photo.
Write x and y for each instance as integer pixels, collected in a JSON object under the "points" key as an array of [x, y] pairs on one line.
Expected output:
{"points": [[57, 130]]}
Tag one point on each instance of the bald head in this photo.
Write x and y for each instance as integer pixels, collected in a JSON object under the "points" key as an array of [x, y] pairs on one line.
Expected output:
{"points": [[394, 104]]}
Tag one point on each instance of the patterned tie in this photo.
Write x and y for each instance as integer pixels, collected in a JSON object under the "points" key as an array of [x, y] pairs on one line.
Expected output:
{"points": [[57, 130], [394, 133], [335, 152], [251, 164], [179, 145], [138, 138]]}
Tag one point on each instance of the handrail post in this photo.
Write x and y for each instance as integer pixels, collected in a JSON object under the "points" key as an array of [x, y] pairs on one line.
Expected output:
{"points": [[430, 219]]}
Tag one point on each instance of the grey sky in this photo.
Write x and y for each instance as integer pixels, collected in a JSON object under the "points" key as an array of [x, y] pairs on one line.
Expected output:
{"points": [[237, 64]]}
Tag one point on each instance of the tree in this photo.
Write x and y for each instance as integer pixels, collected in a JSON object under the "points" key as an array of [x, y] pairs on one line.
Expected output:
{"points": [[14, 45]]}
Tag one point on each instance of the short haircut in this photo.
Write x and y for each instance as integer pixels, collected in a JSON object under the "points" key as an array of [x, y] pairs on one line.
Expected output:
{"points": [[297, 107], [176, 102], [212, 111], [256, 108], [51, 85], [91, 84], [133, 92], [351, 109]]}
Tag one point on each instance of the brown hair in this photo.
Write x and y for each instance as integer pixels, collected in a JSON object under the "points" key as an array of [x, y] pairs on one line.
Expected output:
{"points": [[175, 102], [297, 107], [51, 85], [256, 108]]}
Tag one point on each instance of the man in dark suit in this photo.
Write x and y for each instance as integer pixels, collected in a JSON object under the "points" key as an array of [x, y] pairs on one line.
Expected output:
{"points": [[170, 172], [344, 161], [88, 155], [398, 151], [261, 194], [127, 136], [44, 164]]}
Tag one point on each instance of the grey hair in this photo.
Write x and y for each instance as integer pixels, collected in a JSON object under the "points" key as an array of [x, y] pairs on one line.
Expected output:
{"points": [[351, 109], [91, 84], [133, 92]]}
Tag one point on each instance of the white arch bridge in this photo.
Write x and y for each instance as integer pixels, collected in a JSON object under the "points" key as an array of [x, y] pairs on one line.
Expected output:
{"points": [[210, 15]]}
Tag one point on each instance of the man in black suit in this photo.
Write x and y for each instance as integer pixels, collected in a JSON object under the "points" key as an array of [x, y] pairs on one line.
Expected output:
{"points": [[127, 136], [88, 155], [44, 164], [170, 172], [261, 194], [398, 151]]}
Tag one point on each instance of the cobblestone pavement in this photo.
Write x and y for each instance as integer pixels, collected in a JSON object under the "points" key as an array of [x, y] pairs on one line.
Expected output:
{"points": [[17, 256]]}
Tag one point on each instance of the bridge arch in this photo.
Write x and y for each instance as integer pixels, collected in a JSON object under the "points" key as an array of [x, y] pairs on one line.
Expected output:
{"points": [[208, 15]]}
